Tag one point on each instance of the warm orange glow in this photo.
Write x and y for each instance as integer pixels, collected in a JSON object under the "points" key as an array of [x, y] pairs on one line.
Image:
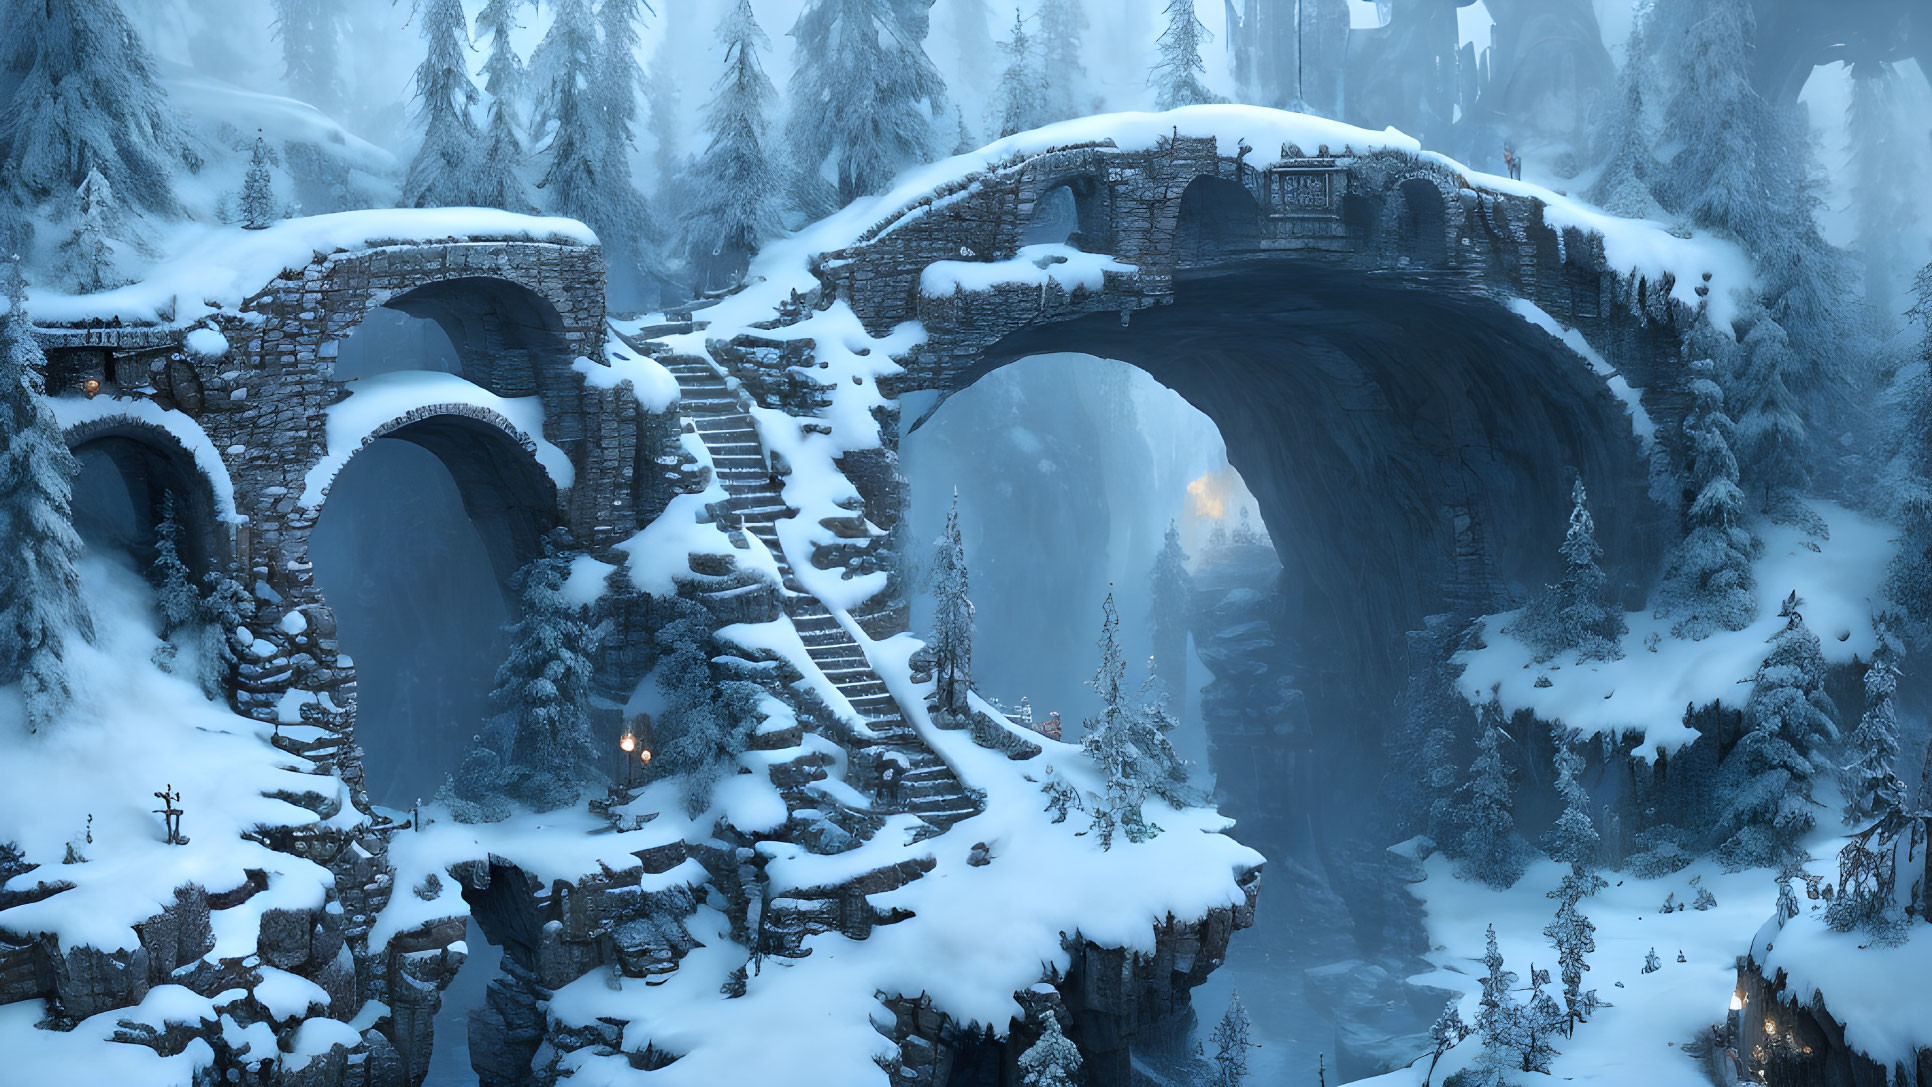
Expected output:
{"points": [[91, 387], [1207, 497], [628, 743], [644, 756]]}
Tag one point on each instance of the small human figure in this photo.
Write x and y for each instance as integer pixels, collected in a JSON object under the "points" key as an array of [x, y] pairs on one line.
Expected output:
{"points": [[1512, 162], [170, 815], [1050, 728]]}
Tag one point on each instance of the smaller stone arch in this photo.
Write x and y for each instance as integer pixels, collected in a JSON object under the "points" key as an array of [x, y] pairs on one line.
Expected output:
{"points": [[506, 335], [1217, 218], [504, 488], [1422, 230], [154, 465], [1070, 209]]}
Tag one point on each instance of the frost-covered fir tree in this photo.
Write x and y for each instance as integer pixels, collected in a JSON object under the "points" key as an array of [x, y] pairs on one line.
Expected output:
{"points": [[85, 96], [496, 159], [1171, 590], [1709, 584], [225, 606], [310, 32], [439, 174], [1574, 936], [1532, 1029], [257, 205], [952, 625], [1623, 186], [1179, 76], [1497, 1013], [862, 106], [965, 142], [543, 686], [1872, 788], [41, 604], [1129, 744], [1062, 24], [1231, 1044], [175, 596], [1788, 722], [1771, 428], [1490, 849], [1161, 769], [1019, 103], [1742, 167], [707, 722], [738, 201], [971, 33], [1445, 1034], [1573, 839], [1052, 1061], [88, 252], [1909, 473], [1573, 613], [588, 98], [665, 94], [1880, 155]]}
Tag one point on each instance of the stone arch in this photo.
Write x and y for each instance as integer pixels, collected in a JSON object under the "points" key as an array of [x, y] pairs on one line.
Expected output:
{"points": [[1422, 225], [154, 465], [505, 490], [1070, 209], [505, 334], [1214, 216]]}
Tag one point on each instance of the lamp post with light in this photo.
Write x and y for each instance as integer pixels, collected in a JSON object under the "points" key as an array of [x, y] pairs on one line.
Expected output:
{"points": [[627, 744]]}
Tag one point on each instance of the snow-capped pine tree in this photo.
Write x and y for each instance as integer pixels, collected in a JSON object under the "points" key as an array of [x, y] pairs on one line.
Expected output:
{"points": [[89, 250], [1052, 1061], [1497, 1012], [258, 189], [965, 142], [1788, 722], [1873, 790], [738, 200], [864, 104], [1623, 186], [1490, 849], [1743, 167], [588, 97], [1533, 1027], [1171, 591], [952, 633], [666, 97], [1157, 766], [706, 723], [1231, 1044], [497, 156], [1771, 429], [977, 55], [85, 97], [1709, 584], [1178, 76], [543, 686], [1880, 155], [175, 595], [1019, 103], [1573, 613], [1574, 936], [1062, 23], [439, 174], [41, 603], [310, 32], [1107, 738], [1445, 1034], [1573, 839], [1909, 473], [225, 606]]}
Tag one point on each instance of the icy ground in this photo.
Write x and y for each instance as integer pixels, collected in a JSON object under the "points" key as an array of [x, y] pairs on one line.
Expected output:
{"points": [[132, 730]]}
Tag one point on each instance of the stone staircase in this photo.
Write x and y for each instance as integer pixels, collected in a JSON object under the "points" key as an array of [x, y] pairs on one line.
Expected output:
{"points": [[919, 782]]}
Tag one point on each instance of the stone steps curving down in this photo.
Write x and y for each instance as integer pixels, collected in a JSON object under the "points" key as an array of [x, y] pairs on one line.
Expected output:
{"points": [[885, 748]]}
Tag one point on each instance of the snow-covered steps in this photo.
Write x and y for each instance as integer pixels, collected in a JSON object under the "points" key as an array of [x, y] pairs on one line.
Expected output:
{"points": [[905, 775]]}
